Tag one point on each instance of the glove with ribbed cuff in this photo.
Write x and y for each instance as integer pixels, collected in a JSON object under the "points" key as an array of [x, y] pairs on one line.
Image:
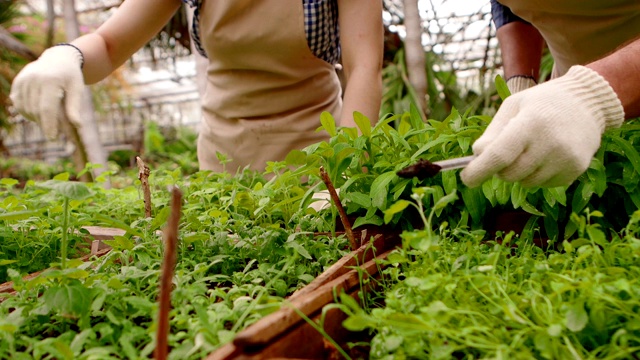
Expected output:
{"points": [[547, 135], [518, 83], [51, 87]]}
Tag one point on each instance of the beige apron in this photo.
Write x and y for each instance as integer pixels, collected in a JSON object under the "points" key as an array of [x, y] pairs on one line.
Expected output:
{"points": [[265, 88], [580, 31]]}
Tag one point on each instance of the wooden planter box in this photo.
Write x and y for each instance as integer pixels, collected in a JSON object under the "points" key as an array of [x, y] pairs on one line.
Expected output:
{"points": [[284, 334]]}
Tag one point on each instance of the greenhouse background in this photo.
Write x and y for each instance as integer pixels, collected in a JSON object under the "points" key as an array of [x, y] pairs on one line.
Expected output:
{"points": [[159, 83], [372, 243]]}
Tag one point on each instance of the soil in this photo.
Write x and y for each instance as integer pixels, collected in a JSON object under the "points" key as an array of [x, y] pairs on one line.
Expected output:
{"points": [[422, 169]]}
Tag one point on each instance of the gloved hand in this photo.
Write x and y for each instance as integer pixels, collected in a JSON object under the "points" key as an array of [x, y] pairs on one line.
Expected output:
{"points": [[49, 87], [548, 134], [518, 83]]}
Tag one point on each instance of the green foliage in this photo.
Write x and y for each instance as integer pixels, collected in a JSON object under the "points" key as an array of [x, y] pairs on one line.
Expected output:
{"points": [[9, 64], [245, 243], [364, 167], [443, 91], [465, 297], [174, 147]]}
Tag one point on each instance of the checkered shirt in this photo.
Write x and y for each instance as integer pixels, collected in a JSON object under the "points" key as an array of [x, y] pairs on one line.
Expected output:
{"points": [[320, 26]]}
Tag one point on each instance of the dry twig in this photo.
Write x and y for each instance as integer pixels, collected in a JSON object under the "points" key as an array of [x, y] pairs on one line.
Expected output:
{"points": [[168, 264], [143, 175]]}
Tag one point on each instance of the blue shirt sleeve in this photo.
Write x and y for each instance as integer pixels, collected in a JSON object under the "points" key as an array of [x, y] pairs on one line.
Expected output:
{"points": [[502, 15]]}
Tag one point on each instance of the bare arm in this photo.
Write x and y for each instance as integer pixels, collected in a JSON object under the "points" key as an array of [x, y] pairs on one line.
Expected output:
{"points": [[622, 71], [133, 25], [521, 47], [362, 35]]}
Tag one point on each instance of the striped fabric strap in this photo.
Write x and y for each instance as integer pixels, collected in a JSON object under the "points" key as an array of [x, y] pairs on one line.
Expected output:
{"points": [[195, 25]]}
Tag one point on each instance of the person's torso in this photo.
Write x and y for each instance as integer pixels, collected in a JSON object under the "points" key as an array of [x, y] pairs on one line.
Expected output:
{"points": [[262, 51], [270, 75], [580, 31]]}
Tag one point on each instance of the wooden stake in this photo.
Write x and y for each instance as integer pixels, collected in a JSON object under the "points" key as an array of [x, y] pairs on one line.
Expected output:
{"points": [[168, 263], [143, 175], [336, 201]]}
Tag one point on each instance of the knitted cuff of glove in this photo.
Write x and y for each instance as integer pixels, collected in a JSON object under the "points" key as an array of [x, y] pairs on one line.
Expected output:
{"points": [[518, 83], [81, 55], [599, 95]]}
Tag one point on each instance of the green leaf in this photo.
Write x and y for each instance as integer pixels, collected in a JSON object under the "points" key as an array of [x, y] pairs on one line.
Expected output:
{"points": [[597, 235], [392, 342], [474, 201], [80, 340], [368, 220], [363, 200], [127, 348], [551, 195], [399, 206], [19, 215], [503, 191], [68, 300], [448, 199], [350, 303], [518, 195], [526, 206], [416, 119], [161, 218], [364, 124], [629, 151], [63, 349], [576, 318], [328, 123], [358, 322], [489, 192], [296, 157], [449, 181], [8, 182], [62, 177], [7, 262], [465, 143], [379, 189], [299, 249], [139, 303], [581, 196], [404, 126], [73, 190], [502, 88], [554, 330]]}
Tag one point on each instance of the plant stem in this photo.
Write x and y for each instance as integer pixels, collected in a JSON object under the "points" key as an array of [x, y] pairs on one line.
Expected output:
{"points": [[65, 227], [343, 214]]}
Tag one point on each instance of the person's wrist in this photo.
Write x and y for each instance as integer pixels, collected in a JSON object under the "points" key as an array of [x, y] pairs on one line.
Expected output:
{"points": [[596, 94], [517, 83]]}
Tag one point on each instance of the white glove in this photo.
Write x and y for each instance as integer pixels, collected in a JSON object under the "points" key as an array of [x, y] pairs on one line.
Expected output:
{"points": [[49, 87], [548, 134], [518, 83], [321, 200]]}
